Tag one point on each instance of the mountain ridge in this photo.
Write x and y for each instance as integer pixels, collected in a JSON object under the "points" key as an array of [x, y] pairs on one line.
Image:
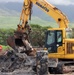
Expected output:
{"points": [[14, 9]]}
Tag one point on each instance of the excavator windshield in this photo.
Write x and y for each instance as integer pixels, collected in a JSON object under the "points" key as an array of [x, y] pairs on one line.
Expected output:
{"points": [[51, 35]]}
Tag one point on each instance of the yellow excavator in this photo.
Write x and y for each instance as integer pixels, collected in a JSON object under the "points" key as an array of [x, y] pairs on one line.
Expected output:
{"points": [[58, 42]]}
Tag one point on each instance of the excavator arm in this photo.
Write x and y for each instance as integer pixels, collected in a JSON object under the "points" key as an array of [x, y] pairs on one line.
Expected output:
{"points": [[25, 15], [51, 10]]}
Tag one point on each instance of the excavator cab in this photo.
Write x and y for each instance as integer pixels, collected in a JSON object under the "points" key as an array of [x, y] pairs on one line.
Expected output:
{"points": [[54, 39]]}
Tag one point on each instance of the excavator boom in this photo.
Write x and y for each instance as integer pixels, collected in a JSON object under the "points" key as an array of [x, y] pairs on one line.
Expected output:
{"points": [[51, 10]]}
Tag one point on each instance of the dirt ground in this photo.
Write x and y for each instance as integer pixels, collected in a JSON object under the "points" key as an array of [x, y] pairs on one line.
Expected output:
{"points": [[24, 72], [18, 72]]}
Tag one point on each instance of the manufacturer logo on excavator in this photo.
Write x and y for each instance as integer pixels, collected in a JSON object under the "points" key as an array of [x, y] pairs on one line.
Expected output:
{"points": [[43, 7]]}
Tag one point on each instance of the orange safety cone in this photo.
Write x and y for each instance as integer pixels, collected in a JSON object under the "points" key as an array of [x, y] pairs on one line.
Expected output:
{"points": [[0, 48]]}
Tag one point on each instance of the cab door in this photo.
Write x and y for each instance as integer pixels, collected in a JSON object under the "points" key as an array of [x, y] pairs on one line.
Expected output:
{"points": [[53, 40]]}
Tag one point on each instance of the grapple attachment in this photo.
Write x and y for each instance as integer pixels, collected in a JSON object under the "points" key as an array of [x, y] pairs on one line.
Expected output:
{"points": [[19, 42]]}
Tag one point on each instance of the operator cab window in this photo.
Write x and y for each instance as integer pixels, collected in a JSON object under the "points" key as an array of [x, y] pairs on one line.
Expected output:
{"points": [[54, 37], [59, 38], [51, 38]]}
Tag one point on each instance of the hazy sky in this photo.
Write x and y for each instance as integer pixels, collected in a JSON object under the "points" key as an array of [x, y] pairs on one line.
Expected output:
{"points": [[60, 2]]}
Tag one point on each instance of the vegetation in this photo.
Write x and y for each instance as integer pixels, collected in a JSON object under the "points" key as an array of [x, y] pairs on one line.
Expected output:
{"points": [[7, 22], [4, 33], [37, 35], [6, 48]]}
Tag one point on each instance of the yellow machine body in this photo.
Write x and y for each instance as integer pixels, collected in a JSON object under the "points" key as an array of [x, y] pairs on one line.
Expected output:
{"points": [[66, 51]]}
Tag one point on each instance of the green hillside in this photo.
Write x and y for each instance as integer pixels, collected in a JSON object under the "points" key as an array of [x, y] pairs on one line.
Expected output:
{"points": [[7, 12], [12, 21], [10, 14], [8, 22], [37, 20], [14, 7]]}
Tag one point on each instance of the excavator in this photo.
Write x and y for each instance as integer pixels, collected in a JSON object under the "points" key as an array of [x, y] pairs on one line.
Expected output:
{"points": [[58, 42]]}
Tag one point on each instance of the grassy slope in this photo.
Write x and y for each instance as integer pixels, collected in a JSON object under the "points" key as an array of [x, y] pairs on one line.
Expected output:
{"points": [[12, 21], [8, 21]]}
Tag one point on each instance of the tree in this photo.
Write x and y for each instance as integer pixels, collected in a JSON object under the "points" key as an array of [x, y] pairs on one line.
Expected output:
{"points": [[37, 36]]}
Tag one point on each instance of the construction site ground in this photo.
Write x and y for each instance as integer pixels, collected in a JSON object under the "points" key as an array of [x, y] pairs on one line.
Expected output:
{"points": [[25, 72], [18, 72]]}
